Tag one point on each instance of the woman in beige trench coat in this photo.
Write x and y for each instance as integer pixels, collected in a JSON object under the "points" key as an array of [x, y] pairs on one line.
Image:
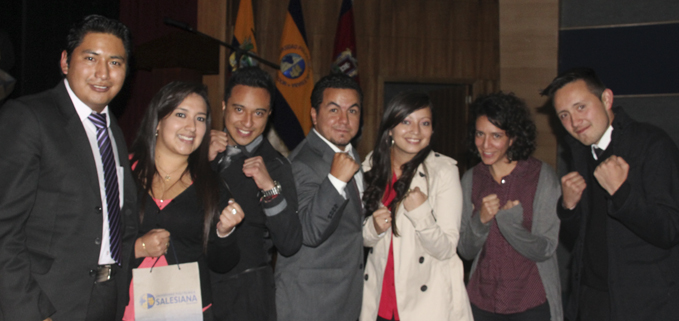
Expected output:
{"points": [[414, 199]]}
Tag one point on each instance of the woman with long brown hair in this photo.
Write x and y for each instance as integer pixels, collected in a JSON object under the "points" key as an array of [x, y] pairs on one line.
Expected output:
{"points": [[183, 208], [414, 199]]}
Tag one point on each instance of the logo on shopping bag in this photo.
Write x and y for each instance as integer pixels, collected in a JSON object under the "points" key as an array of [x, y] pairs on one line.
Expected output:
{"points": [[147, 301]]}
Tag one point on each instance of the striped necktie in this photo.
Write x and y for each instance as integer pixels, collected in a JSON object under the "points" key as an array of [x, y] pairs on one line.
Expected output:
{"points": [[111, 183]]}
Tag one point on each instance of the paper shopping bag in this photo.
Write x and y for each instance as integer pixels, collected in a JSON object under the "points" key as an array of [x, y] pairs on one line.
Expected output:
{"points": [[168, 293]]}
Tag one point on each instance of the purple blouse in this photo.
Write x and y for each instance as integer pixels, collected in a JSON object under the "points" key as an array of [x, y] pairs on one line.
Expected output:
{"points": [[505, 281]]}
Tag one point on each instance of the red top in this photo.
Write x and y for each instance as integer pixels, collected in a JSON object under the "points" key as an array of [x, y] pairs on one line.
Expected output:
{"points": [[161, 203], [388, 307]]}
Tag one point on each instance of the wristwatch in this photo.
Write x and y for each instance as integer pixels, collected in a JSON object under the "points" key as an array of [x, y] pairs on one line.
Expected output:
{"points": [[272, 192]]}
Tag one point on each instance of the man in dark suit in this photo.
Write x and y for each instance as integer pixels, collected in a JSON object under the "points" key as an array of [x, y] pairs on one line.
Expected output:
{"points": [[323, 280], [67, 198], [621, 201], [261, 181]]}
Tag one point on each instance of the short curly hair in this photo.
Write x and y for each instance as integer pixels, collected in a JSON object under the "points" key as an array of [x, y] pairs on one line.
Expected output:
{"points": [[509, 113]]}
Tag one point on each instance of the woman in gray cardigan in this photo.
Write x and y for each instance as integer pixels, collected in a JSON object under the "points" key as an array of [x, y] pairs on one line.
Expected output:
{"points": [[509, 223]]}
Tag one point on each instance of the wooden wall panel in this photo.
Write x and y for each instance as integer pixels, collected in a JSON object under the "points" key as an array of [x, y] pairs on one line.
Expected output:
{"points": [[528, 63], [444, 41], [212, 20], [145, 20]]}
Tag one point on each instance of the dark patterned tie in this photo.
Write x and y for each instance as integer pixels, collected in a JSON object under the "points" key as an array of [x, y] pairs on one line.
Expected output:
{"points": [[227, 159], [111, 183], [357, 191]]}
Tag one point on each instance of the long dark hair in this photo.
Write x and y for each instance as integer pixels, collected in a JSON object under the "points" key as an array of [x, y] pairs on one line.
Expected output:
{"points": [[380, 173], [144, 147]]}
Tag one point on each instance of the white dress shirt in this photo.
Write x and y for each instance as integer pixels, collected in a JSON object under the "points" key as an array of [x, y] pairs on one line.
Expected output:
{"points": [[339, 185], [84, 112], [603, 142]]}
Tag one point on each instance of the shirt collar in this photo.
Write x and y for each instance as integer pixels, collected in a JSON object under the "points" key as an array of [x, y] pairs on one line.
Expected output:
{"points": [[522, 168], [250, 148], [604, 141], [83, 110], [347, 149]]}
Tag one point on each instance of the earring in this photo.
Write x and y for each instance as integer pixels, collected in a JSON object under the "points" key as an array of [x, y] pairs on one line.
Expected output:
{"points": [[392, 141], [156, 133]]}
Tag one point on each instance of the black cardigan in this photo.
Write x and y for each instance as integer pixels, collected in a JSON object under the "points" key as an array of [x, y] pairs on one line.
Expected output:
{"points": [[183, 218]]}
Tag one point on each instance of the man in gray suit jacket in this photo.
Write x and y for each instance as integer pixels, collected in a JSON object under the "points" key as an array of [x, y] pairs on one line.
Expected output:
{"points": [[323, 280]]}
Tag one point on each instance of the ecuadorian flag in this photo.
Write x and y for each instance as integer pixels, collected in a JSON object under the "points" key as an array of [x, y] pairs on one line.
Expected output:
{"points": [[244, 35], [294, 80], [345, 43]]}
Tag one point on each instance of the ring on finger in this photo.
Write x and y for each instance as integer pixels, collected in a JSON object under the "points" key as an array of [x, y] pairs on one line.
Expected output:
{"points": [[233, 211]]}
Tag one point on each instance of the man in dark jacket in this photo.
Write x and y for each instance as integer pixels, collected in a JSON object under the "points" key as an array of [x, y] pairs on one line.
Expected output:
{"points": [[261, 181], [621, 200], [68, 207]]}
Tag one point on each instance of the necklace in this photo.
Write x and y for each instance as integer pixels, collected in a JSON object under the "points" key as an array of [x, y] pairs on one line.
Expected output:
{"points": [[165, 179], [168, 175]]}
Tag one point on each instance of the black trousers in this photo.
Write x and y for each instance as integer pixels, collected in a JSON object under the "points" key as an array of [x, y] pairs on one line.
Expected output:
{"points": [[594, 305], [247, 296], [538, 313], [104, 298]]}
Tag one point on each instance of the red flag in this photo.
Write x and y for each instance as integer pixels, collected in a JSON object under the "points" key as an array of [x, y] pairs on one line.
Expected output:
{"points": [[344, 54]]}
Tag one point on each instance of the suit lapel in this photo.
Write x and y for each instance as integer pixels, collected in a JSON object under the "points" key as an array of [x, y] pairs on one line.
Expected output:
{"points": [[78, 137], [130, 189], [317, 143], [328, 155]]}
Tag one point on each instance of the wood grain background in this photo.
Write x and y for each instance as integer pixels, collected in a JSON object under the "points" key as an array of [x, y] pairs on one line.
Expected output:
{"points": [[428, 41]]}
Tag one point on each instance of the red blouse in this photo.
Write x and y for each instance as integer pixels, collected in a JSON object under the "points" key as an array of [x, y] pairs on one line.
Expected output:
{"points": [[388, 307]]}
